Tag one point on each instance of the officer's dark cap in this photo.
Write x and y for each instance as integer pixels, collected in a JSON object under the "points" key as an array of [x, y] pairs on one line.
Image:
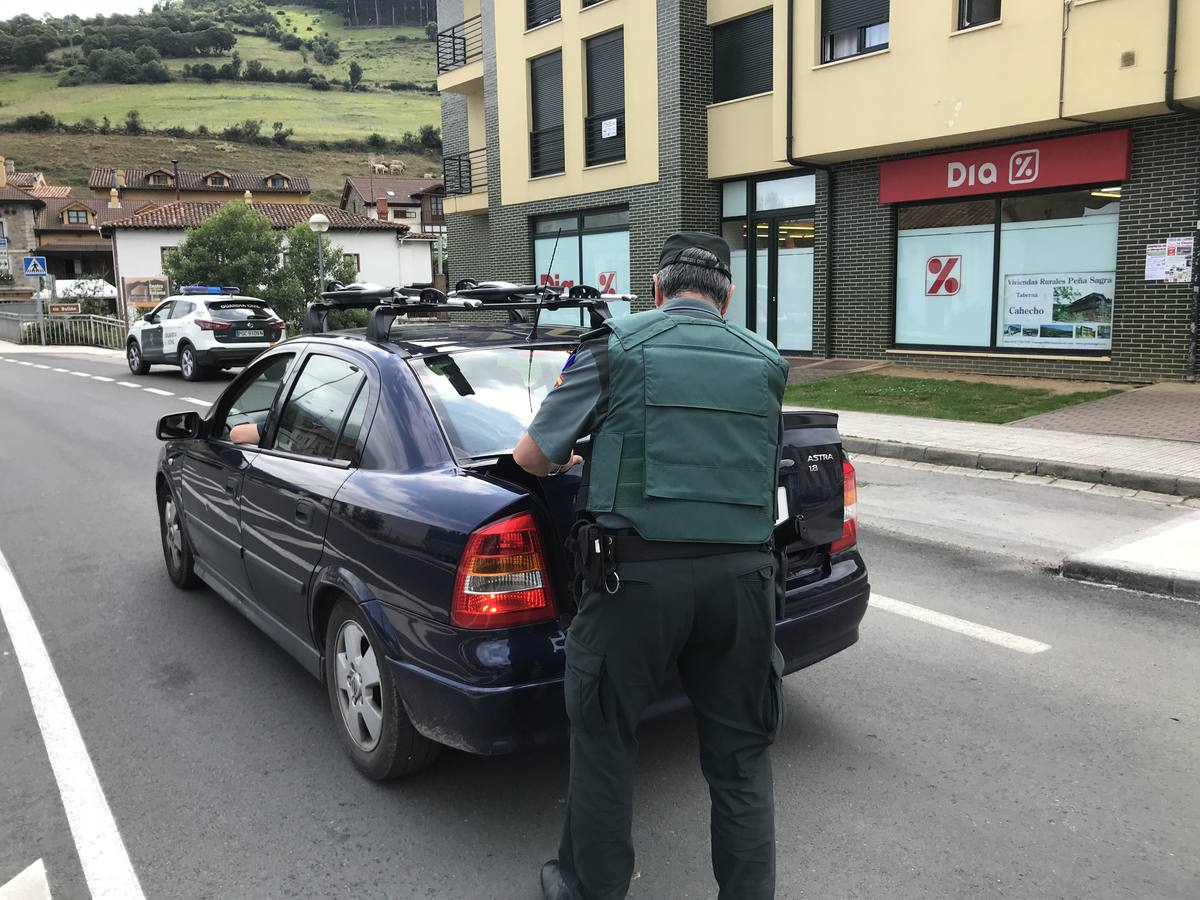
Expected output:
{"points": [[677, 247]]}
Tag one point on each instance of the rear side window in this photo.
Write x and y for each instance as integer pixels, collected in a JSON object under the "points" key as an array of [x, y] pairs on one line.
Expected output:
{"points": [[314, 415], [354, 422], [254, 401], [239, 311]]}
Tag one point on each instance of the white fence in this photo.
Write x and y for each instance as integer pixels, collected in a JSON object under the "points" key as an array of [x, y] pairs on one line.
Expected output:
{"points": [[82, 330]]}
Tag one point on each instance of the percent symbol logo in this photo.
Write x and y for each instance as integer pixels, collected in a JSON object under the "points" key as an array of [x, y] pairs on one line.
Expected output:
{"points": [[1024, 166], [943, 276]]}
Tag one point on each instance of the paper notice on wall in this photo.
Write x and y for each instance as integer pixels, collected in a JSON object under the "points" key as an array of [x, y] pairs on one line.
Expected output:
{"points": [[608, 128], [1067, 310], [1156, 262], [1178, 269]]}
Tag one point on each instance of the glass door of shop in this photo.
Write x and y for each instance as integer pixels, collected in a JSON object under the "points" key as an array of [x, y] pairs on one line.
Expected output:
{"points": [[783, 295]]}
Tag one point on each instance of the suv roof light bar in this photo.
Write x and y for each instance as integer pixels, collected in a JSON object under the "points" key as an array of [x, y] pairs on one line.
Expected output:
{"points": [[207, 289], [387, 304]]}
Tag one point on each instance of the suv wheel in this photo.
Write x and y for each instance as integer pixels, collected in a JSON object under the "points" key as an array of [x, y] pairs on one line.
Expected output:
{"points": [[372, 722], [192, 370], [133, 356], [177, 552]]}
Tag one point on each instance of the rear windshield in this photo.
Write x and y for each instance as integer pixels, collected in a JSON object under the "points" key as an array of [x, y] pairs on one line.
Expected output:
{"points": [[486, 399], [239, 311]]}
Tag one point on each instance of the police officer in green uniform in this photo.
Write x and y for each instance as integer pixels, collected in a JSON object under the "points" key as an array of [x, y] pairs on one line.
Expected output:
{"points": [[677, 512]]}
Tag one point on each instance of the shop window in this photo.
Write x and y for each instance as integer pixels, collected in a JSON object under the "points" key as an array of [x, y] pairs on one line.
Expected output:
{"points": [[1051, 287], [853, 27], [977, 12], [588, 248], [734, 233], [742, 57], [733, 199], [785, 193], [944, 262], [1058, 256]]}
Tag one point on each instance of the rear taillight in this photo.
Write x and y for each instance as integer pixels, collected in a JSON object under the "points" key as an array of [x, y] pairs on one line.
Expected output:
{"points": [[210, 325], [502, 579], [850, 516]]}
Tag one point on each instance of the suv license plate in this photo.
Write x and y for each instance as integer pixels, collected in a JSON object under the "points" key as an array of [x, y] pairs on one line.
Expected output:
{"points": [[252, 332]]}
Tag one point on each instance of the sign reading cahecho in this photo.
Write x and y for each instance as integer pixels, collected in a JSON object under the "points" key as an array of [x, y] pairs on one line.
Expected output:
{"points": [[1101, 158]]}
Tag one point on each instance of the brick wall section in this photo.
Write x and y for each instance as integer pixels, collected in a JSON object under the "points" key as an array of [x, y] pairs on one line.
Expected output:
{"points": [[499, 245], [1150, 323]]}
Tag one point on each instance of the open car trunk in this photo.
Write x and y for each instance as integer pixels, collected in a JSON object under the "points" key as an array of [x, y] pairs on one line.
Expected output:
{"points": [[810, 503]]}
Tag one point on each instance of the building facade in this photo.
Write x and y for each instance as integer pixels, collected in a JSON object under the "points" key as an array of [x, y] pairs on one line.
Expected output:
{"points": [[170, 184], [989, 186], [18, 214]]}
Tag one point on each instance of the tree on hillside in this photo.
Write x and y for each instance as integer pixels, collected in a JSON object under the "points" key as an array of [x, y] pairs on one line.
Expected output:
{"points": [[356, 74], [235, 246], [295, 284]]}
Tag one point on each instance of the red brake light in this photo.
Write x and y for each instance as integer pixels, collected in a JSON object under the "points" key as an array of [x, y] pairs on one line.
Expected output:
{"points": [[503, 579], [210, 325], [850, 517]]}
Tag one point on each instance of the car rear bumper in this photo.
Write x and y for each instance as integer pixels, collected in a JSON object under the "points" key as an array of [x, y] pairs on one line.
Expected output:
{"points": [[233, 355], [497, 720]]}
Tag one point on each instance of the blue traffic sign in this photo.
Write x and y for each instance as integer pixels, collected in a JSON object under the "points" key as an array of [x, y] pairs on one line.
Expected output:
{"points": [[35, 266]]}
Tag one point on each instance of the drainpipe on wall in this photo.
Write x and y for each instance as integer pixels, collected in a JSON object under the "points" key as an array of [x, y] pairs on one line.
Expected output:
{"points": [[809, 164], [1176, 107]]}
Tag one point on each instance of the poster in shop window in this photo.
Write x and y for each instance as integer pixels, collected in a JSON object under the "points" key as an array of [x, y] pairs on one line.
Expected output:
{"points": [[1058, 311]]}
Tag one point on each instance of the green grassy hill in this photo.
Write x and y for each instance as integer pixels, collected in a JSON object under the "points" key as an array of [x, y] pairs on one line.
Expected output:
{"points": [[314, 115], [67, 158]]}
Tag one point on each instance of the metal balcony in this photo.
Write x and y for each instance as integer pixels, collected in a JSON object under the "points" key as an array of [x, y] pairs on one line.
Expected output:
{"points": [[466, 173], [460, 45], [547, 151]]}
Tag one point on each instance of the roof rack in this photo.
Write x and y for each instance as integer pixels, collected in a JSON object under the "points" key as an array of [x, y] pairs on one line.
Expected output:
{"points": [[388, 304]]}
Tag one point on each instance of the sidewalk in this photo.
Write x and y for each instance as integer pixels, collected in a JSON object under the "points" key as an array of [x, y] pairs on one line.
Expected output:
{"points": [[1144, 464]]}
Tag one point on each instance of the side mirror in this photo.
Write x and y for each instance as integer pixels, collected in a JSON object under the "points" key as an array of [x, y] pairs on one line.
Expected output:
{"points": [[150, 318], [179, 425]]}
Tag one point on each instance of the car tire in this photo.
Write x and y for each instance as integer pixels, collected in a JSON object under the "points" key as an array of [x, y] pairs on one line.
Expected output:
{"points": [[137, 362], [177, 552], [189, 366], [361, 692]]}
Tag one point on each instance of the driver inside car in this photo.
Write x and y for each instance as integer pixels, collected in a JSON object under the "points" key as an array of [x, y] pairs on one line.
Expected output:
{"points": [[246, 433]]}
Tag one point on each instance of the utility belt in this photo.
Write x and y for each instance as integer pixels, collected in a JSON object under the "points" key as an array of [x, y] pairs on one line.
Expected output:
{"points": [[597, 552]]}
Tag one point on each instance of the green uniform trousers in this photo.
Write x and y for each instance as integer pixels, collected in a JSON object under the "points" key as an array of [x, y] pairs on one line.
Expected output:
{"points": [[714, 618]]}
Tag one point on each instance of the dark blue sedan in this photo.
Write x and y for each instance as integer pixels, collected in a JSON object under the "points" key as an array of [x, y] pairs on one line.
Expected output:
{"points": [[378, 529]]}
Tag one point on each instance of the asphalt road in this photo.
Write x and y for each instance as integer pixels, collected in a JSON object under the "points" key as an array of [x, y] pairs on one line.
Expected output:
{"points": [[921, 763]]}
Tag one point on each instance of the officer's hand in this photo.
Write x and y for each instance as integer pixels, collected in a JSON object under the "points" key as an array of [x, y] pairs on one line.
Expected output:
{"points": [[575, 460]]}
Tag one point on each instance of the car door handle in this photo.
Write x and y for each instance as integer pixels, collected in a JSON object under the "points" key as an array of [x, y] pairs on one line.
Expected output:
{"points": [[304, 511], [231, 486]]}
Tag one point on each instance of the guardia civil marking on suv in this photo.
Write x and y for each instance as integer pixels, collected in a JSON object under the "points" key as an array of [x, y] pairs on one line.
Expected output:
{"points": [[202, 329]]}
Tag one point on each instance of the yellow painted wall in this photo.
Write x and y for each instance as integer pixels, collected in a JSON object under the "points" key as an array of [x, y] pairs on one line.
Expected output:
{"points": [[515, 47], [476, 127], [936, 87]]}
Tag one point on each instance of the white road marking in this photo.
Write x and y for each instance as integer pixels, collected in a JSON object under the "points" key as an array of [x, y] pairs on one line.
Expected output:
{"points": [[83, 374], [57, 369], [128, 384], [102, 378], [21, 362], [31, 884], [40, 366], [157, 391], [960, 626], [195, 400], [102, 854]]}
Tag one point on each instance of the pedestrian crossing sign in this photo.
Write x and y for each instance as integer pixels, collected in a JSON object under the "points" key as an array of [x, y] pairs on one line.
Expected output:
{"points": [[35, 266]]}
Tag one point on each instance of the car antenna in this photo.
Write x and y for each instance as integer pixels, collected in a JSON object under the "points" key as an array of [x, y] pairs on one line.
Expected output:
{"points": [[533, 335]]}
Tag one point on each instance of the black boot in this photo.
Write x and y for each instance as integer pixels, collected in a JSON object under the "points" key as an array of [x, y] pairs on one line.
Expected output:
{"points": [[553, 886]]}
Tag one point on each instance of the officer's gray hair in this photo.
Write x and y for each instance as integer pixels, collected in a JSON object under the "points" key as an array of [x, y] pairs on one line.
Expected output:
{"points": [[678, 277]]}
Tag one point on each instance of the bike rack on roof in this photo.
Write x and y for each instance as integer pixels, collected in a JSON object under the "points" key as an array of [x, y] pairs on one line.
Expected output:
{"points": [[388, 304]]}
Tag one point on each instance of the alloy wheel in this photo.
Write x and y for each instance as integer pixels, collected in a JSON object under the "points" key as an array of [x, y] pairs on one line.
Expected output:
{"points": [[187, 363], [359, 690], [134, 357], [173, 533]]}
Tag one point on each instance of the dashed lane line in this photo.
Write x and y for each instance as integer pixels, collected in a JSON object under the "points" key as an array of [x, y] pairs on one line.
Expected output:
{"points": [[195, 400], [102, 854], [57, 369], [103, 378], [129, 384], [40, 366], [959, 626], [83, 374], [160, 393]]}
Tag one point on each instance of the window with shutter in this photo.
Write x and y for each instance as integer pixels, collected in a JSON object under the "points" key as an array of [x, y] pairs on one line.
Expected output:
{"points": [[977, 12], [851, 27], [742, 57], [604, 125], [546, 148], [539, 12]]}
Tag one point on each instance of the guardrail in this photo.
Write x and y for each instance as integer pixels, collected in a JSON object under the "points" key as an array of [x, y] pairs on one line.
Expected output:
{"points": [[460, 45], [79, 331]]}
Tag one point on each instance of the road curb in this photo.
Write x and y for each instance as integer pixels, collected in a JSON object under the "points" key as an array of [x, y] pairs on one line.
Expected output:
{"points": [[1170, 584], [1138, 481]]}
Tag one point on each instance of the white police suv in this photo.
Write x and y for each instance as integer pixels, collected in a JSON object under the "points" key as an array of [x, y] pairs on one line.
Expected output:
{"points": [[202, 329]]}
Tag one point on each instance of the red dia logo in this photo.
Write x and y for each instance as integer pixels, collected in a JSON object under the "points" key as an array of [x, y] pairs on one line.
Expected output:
{"points": [[943, 276]]}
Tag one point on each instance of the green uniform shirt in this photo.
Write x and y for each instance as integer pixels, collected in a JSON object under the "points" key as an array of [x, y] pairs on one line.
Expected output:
{"points": [[572, 409]]}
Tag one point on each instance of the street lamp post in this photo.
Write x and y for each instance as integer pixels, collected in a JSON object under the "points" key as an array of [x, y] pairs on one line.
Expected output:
{"points": [[319, 224]]}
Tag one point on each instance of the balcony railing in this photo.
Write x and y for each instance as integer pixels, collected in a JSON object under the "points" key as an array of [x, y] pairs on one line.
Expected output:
{"points": [[604, 138], [460, 45], [547, 151], [466, 173]]}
